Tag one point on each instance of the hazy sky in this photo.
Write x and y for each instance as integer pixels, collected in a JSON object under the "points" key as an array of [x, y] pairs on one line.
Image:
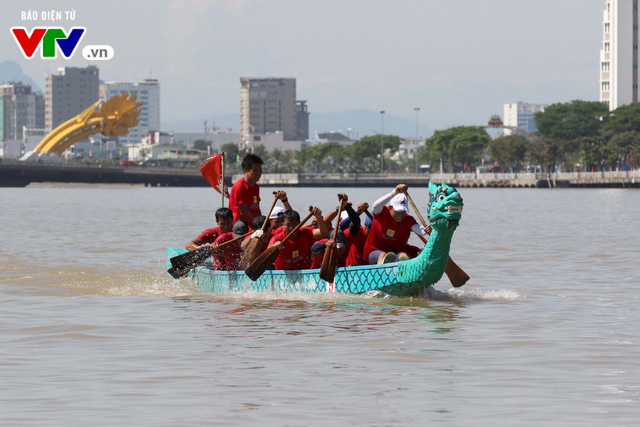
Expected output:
{"points": [[458, 60]]}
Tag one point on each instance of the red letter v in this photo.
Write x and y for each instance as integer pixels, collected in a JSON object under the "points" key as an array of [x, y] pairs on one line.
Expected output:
{"points": [[27, 43]]}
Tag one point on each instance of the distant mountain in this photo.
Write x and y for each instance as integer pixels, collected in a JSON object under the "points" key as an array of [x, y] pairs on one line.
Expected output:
{"points": [[12, 72], [362, 122], [222, 121], [353, 123]]}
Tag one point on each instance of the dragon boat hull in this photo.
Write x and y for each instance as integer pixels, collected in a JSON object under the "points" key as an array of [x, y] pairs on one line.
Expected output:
{"points": [[385, 278]]}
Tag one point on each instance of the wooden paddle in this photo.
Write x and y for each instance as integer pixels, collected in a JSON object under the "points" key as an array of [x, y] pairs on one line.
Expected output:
{"points": [[255, 244], [456, 275], [330, 260], [260, 264], [182, 264]]}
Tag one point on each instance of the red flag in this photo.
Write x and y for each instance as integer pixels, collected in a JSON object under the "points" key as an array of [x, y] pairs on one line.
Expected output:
{"points": [[212, 172]]}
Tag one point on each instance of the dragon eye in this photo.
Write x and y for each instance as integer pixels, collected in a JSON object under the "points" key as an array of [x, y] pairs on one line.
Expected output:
{"points": [[441, 197]]}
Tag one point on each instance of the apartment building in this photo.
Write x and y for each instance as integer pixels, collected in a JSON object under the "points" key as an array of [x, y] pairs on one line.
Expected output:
{"points": [[147, 92], [619, 53], [269, 105], [70, 92], [19, 109]]}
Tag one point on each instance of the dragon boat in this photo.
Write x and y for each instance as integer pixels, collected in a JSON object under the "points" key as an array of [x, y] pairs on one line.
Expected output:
{"points": [[403, 278]]}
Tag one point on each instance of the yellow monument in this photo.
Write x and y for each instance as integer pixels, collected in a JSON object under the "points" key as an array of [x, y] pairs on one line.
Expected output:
{"points": [[113, 118]]}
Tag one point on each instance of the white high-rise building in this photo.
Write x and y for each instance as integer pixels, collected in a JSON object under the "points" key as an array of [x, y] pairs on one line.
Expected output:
{"points": [[619, 54], [521, 115], [148, 92]]}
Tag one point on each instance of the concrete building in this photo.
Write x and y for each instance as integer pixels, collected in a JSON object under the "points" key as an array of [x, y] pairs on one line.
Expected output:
{"points": [[619, 54], [269, 105], [275, 141], [70, 92], [147, 91], [521, 115], [19, 109]]}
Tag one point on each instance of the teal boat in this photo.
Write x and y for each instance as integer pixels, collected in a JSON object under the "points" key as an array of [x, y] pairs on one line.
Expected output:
{"points": [[404, 278]]}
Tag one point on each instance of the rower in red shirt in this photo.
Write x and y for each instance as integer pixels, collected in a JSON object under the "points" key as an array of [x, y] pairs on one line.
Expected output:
{"points": [[224, 218], [295, 253], [356, 238], [244, 199], [390, 229], [228, 257]]}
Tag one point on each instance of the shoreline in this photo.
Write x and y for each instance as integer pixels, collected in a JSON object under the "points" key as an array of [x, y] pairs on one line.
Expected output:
{"points": [[19, 174]]}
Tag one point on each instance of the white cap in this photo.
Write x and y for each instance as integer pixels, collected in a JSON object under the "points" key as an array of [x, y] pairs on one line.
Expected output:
{"points": [[276, 212], [399, 203], [344, 215]]}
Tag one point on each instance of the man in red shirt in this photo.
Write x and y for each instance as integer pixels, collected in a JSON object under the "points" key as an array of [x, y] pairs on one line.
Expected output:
{"points": [[228, 257], [295, 253], [224, 218], [339, 241], [244, 199], [357, 238], [387, 239]]}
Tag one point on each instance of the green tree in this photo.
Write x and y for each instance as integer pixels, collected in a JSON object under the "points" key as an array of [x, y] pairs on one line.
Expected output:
{"points": [[231, 152], [548, 152], [461, 144], [320, 152], [369, 146], [201, 144], [624, 119], [261, 151], [509, 150], [622, 149], [571, 120]]}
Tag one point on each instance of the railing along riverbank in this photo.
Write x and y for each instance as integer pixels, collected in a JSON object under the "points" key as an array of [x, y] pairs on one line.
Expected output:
{"points": [[20, 174]]}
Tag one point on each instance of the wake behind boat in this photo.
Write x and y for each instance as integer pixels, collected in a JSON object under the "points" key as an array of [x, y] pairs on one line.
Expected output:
{"points": [[403, 278]]}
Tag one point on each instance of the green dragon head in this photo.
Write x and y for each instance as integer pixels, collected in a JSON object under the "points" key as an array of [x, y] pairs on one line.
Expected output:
{"points": [[445, 205]]}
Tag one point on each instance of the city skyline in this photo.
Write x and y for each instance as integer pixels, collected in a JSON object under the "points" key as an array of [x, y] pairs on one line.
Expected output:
{"points": [[460, 63]]}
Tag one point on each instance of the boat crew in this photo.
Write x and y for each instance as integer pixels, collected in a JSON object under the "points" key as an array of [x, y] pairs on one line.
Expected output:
{"points": [[390, 228]]}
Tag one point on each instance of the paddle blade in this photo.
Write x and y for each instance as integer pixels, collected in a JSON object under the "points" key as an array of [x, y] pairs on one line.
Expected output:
{"points": [[329, 262], [262, 263], [178, 273], [190, 259], [250, 254], [456, 275]]}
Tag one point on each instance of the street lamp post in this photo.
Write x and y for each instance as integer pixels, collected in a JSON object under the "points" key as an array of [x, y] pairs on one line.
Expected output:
{"points": [[381, 141], [416, 109]]}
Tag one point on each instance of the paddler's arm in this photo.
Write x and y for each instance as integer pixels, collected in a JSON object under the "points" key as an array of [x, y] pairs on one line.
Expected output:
{"points": [[282, 195], [245, 213], [323, 229], [382, 201], [421, 231], [344, 200], [354, 227], [194, 244]]}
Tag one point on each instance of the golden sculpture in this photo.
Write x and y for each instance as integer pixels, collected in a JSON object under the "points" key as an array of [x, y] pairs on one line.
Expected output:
{"points": [[114, 118]]}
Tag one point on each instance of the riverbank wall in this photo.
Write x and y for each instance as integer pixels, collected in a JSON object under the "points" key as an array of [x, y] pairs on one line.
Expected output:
{"points": [[21, 174]]}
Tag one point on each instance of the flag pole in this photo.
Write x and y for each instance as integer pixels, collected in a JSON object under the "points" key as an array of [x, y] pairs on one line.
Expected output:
{"points": [[222, 192]]}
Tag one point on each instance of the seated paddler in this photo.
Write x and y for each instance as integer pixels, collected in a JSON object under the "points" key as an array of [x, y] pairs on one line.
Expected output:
{"points": [[228, 256], [224, 219], [390, 228], [295, 253]]}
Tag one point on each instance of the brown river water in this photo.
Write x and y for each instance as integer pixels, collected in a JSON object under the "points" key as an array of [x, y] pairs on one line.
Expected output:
{"points": [[94, 332]]}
